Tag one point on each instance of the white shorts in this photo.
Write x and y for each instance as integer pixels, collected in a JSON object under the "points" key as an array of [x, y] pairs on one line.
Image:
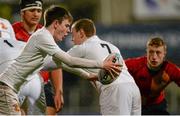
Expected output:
{"points": [[31, 90], [34, 91], [121, 97]]}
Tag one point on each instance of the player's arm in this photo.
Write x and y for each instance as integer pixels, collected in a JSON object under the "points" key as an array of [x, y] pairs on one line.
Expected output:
{"points": [[50, 47], [174, 72], [57, 80], [85, 63], [50, 64], [78, 71], [77, 62]]}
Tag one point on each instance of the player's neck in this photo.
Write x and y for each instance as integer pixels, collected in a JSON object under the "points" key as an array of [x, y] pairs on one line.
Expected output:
{"points": [[154, 68], [29, 28]]}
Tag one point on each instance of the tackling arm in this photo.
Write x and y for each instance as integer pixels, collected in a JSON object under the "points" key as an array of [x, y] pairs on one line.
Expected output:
{"points": [[51, 64], [76, 62]]}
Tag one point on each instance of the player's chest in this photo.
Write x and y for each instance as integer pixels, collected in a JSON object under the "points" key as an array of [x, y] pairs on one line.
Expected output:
{"points": [[152, 83]]}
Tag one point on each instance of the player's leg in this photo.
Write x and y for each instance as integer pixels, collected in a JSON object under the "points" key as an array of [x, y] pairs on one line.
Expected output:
{"points": [[49, 93], [24, 106], [123, 99], [9, 101], [22, 96], [129, 99], [136, 103], [41, 103], [115, 100], [156, 109], [31, 90], [36, 95]]}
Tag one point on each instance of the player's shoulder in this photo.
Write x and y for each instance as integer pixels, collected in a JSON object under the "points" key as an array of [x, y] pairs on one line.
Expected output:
{"points": [[140, 58], [169, 64], [16, 23], [111, 45], [39, 26], [4, 23], [42, 35], [4, 20], [17, 26], [136, 60]]}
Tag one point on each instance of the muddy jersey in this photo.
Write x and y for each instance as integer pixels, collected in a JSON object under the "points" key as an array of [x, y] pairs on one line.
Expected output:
{"points": [[40, 45], [22, 35]]}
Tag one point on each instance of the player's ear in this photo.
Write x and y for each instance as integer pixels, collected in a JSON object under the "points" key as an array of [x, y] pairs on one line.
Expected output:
{"points": [[82, 34], [55, 23], [22, 14]]}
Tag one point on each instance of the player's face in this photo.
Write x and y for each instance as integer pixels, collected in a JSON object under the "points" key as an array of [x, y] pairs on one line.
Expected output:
{"points": [[61, 29], [32, 16], [155, 56], [77, 37]]}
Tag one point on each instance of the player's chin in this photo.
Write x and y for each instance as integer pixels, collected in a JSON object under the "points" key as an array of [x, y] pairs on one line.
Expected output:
{"points": [[34, 22], [154, 64], [60, 38], [63, 37]]}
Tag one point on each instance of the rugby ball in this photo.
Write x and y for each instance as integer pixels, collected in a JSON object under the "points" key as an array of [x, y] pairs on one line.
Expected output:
{"points": [[103, 76]]}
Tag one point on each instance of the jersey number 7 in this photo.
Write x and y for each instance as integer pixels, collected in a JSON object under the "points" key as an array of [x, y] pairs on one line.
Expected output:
{"points": [[107, 47]]}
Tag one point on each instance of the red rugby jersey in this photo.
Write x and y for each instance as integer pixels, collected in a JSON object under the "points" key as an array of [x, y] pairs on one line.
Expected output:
{"points": [[22, 35], [152, 83]]}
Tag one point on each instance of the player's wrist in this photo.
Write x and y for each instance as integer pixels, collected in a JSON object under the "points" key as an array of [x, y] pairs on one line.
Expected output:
{"points": [[59, 92]]}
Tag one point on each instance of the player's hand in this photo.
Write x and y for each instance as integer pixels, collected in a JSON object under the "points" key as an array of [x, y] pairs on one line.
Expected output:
{"points": [[110, 66], [92, 77], [59, 101], [115, 72]]}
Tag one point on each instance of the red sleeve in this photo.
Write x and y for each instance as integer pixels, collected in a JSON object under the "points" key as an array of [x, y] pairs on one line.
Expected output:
{"points": [[174, 72], [130, 64], [134, 64]]}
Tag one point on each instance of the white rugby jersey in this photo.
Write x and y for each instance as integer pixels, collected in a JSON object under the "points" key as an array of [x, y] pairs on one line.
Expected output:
{"points": [[97, 49], [94, 48], [121, 97], [6, 30], [10, 48], [31, 59]]}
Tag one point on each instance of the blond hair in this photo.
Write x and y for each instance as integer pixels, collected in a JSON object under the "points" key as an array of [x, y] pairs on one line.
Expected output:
{"points": [[156, 41]]}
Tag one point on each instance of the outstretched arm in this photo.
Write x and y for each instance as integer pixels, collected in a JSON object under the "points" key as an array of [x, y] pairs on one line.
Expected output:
{"points": [[51, 64], [62, 56], [54, 63]]}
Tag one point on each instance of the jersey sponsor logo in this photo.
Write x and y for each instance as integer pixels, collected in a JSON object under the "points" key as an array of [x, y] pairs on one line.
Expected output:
{"points": [[2, 26]]}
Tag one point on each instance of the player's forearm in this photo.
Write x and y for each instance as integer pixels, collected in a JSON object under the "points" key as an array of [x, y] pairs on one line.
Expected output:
{"points": [[57, 80], [77, 71], [77, 62], [50, 64]]}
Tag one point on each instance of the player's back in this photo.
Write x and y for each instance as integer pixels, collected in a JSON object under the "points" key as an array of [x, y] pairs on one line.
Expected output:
{"points": [[10, 48], [93, 48], [6, 30], [122, 93], [97, 49]]}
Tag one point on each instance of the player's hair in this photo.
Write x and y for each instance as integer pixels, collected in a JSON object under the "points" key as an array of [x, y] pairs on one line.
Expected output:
{"points": [[87, 25], [55, 12], [156, 41]]}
